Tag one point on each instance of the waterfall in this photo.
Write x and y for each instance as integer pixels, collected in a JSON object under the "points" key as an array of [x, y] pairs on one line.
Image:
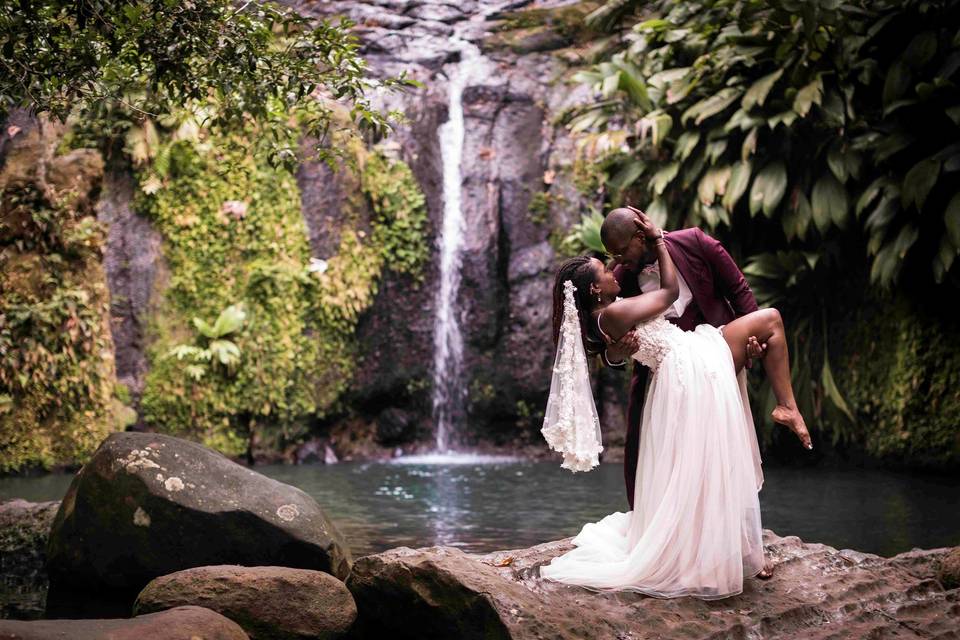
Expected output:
{"points": [[449, 390]]}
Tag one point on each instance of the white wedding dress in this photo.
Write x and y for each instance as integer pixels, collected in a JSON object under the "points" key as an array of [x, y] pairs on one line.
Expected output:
{"points": [[695, 527]]}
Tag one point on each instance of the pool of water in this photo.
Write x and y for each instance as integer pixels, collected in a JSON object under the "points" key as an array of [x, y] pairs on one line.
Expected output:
{"points": [[502, 504]]}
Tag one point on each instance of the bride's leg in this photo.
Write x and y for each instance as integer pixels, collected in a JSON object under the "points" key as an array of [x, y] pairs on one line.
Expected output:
{"points": [[767, 326]]}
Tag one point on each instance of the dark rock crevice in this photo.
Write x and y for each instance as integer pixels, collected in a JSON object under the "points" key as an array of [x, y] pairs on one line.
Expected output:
{"points": [[136, 270]]}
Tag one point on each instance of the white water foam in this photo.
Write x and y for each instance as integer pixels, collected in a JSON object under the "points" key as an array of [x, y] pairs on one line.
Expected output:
{"points": [[454, 458]]}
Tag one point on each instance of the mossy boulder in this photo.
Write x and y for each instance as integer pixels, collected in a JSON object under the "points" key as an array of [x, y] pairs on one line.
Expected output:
{"points": [[24, 529], [147, 505]]}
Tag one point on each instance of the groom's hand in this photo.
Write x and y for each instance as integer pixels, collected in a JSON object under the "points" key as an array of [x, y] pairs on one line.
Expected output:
{"points": [[623, 348], [755, 350]]}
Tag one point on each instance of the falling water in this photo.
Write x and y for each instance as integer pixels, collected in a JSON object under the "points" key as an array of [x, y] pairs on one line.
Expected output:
{"points": [[449, 392]]}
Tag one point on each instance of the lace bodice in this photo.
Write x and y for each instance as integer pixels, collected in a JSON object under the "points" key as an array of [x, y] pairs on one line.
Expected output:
{"points": [[656, 338]]}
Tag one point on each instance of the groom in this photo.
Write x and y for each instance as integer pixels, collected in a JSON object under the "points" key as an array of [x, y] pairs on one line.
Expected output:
{"points": [[712, 290]]}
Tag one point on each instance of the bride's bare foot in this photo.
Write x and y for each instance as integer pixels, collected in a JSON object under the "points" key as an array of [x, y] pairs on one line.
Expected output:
{"points": [[767, 572], [792, 419]]}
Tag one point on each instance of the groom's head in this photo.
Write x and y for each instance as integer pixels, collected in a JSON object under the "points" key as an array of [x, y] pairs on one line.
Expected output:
{"points": [[624, 240]]}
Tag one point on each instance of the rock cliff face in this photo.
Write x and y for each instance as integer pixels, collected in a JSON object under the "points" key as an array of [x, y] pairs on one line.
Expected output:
{"points": [[134, 265], [518, 194]]}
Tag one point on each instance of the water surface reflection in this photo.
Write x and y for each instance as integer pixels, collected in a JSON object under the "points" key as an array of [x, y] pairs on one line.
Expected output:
{"points": [[512, 504]]}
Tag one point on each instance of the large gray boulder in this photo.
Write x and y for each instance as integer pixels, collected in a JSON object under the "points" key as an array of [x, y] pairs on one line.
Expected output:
{"points": [[816, 592], [270, 603], [182, 623], [24, 529], [147, 505]]}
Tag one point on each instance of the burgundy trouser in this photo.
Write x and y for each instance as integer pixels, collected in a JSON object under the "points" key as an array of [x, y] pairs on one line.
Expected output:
{"points": [[631, 450]]}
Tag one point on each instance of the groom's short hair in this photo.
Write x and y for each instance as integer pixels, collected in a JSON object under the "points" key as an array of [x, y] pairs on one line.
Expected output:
{"points": [[618, 226]]}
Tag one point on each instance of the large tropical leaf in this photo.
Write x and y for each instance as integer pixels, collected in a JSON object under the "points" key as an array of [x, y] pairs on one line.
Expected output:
{"points": [[919, 181], [768, 188], [829, 203], [951, 218], [711, 106], [663, 177], [586, 233], [796, 219], [686, 143], [756, 95], [713, 184], [831, 390], [808, 96], [739, 179]]}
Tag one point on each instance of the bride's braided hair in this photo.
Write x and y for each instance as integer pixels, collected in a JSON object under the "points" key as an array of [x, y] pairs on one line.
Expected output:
{"points": [[579, 271]]}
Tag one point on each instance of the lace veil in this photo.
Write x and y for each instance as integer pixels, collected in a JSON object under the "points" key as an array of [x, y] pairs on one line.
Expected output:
{"points": [[571, 425]]}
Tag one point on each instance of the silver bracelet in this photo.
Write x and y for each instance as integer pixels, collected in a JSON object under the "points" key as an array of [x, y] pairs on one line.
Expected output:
{"points": [[612, 364]]}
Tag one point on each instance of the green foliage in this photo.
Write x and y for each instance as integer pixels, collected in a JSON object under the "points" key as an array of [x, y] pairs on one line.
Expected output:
{"points": [[400, 214], [818, 139], [237, 238], [218, 350], [584, 236], [540, 204], [902, 371], [816, 107], [229, 236], [253, 61], [588, 177], [527, 29], [799, 285], [56, 354], [348, 282], [539, 207]]}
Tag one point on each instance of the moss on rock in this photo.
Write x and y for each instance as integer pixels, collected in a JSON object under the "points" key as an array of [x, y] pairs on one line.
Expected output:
{"points": [[234, 234], [56, 351], [901, 371]]}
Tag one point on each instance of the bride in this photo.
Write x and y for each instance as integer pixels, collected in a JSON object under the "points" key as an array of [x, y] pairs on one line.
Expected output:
{"points": [[695, 527]]}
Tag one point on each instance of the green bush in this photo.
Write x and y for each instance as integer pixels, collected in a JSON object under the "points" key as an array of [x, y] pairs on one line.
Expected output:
{"points": [[253, 63], [901, 370], [56, 353], [817, 140], [816, 115], [232, 232]]}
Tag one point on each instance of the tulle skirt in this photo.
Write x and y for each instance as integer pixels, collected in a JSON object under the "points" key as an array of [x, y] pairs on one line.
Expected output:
{"points": [[695, 527]]}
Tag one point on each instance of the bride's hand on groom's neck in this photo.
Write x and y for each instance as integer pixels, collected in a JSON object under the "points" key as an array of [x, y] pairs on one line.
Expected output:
{"points": [[620, 350]]}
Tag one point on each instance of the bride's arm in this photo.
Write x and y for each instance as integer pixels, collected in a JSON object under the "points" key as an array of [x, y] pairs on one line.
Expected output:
{"points": [[622, 315]]}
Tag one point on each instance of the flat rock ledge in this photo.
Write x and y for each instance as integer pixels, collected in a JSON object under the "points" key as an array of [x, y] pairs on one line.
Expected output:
{"points": [[817, 592]]}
